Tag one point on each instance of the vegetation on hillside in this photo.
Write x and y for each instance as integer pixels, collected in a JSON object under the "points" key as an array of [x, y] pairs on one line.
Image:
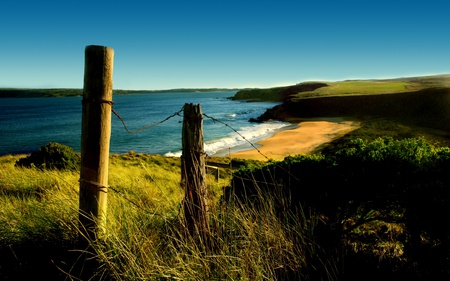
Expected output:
{"points": [[60, 93], [376, 209], [302, 90], [37, 93], [419, 102], [52, 156], [344, 88], [277, 94], [366, 206], [376, 127], [381, 206]]}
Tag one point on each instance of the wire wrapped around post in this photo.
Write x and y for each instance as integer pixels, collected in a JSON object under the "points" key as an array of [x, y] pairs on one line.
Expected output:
{"points": [[95, 140]]}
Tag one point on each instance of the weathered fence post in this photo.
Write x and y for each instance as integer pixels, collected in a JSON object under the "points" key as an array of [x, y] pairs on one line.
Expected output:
{"points": [[193, 172], [95, 137]]}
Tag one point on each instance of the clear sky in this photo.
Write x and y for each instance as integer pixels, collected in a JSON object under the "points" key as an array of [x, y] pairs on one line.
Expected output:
{"points": [[166, 44]]}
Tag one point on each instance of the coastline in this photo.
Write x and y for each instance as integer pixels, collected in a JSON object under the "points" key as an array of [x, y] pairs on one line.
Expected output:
{"points": [[304, 138]]}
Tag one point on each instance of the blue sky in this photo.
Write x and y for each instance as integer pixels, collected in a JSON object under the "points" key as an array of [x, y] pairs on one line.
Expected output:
{"points": [[168, 44]]}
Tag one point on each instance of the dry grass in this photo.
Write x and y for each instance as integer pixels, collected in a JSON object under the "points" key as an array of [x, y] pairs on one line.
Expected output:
{"points": [[362, 87], [146, 237]]}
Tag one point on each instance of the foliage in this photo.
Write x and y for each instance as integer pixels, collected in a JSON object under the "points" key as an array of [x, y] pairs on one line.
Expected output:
{"points": [[277, 93], [52, 156], [377, 127], [57, 93], [37, 221], [39, 213], [308, 90], [146, 233], [247, 245], [271, 94], [33, 93], [394, 184], [376, 208]]}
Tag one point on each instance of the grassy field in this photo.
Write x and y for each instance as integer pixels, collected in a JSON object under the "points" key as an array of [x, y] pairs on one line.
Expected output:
{"points": [[361, 87], [345, 88], [421, 103], [146, 234], [39, 233], [376, 87]]}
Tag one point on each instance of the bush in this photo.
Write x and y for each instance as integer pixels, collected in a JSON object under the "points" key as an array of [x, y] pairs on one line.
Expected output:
{"points": [[360, 195], [51, 156]]}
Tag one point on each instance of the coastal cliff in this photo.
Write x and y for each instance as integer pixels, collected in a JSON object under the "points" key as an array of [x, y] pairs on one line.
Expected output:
{"points": [[430, 107], [423, 101]]}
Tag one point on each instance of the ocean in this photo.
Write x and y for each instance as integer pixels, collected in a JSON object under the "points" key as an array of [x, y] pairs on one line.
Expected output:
{"points": [[26, 124]]}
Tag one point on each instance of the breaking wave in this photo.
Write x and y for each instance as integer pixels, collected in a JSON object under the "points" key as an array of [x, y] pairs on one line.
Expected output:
{"points": [[241, 138]]}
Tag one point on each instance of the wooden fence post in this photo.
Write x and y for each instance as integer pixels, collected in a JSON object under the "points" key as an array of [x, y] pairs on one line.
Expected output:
{"points": [[193, 173], [95, 137]]}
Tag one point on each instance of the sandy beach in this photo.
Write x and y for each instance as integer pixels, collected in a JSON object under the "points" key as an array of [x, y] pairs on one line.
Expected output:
{"points": [[304, 139]]}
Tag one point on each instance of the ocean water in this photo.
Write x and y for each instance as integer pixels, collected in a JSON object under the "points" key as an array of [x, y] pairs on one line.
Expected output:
{"points": [[29, 123]]}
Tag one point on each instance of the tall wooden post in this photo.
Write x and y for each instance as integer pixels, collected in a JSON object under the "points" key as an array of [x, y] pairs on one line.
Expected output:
{"points": [[95, 136], [193, 173]]}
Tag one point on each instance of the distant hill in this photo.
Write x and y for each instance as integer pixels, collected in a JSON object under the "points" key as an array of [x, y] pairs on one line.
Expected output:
{"points": [[387, 97], [344, 88], [39, 93], [420, 103], [35, 93], [277, 93]]}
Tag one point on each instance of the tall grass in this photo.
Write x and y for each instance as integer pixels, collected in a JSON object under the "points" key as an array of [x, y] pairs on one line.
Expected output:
{"points": [[248, 244], [38, 216], [35, 204], [146, 237]]}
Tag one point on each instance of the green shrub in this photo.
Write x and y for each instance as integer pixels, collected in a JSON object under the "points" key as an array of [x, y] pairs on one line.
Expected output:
{"points": [[51, 156], [361, 194]]}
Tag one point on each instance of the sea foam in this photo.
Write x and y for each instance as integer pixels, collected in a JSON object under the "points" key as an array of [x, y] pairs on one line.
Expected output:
{"points": [[243, 138]]}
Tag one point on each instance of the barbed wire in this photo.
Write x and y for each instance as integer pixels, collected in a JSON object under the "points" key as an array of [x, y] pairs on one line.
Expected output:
{"points": [[237, 132], [212, 118], [145, 127], [178, 113], [259, 151]]}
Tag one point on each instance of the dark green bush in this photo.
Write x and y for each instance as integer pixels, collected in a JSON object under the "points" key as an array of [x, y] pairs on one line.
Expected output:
{"points": [[51, 156], [402, 182]]}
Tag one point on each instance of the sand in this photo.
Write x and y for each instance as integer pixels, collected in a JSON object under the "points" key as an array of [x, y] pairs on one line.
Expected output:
{"points": [[304, 139]]}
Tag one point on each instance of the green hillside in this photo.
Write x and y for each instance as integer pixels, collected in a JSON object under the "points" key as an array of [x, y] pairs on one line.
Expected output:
{"points": [[344, 88], [403, 107]]}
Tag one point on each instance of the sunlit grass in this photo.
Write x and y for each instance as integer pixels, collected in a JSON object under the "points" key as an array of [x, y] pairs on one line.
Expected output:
{"points": [[248, 244], [36, 204], [146, 237], [370, 87], [361, 87]]}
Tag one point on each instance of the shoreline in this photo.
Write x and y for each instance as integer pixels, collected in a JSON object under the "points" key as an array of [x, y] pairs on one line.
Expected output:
{"points": [[304, 138]]}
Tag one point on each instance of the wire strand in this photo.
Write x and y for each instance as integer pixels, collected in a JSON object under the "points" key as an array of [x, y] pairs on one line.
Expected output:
{"points": [[146, 127], [223, 123]]}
